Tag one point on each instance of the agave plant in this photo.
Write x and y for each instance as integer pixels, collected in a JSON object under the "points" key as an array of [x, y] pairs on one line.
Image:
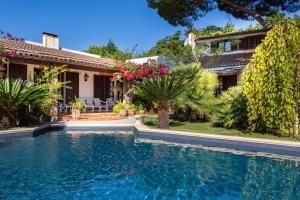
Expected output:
{"points": [[161, 92], [15, 94]]}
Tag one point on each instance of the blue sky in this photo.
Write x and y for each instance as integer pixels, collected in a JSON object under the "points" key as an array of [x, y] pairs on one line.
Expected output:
{"points": [[80, 23]]}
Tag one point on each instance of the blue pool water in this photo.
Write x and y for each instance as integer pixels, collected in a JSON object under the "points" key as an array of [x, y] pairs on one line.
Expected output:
{"points": [[89, 166]]}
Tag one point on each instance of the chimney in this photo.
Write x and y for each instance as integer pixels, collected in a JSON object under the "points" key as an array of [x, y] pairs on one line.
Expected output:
{"points": [[191, 39], [50, 40]]}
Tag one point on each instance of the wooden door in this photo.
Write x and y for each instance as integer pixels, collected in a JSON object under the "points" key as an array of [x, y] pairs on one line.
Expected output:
{"points": [[73, 92], [102, 87], [229, 81], [17, 71]]}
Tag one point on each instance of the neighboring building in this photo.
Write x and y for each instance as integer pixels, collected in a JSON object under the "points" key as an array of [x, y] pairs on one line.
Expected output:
{"points": [[237, 49], [157, 59], [89, 75]]}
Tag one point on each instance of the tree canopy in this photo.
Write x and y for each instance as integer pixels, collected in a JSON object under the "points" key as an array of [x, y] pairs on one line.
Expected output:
{"points": [[173, 48], [185, 12], [110, 50]]}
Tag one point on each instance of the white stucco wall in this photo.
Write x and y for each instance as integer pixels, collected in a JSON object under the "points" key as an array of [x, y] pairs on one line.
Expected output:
{"points": [[30, 71], [86, 88], [157, 59]]}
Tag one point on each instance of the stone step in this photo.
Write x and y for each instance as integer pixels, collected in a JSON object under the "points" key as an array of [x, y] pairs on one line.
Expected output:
{"points": [[92, 117]]}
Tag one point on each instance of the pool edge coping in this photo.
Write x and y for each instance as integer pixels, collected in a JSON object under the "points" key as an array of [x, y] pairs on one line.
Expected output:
{"points": [[30, 131], [221, 137]]}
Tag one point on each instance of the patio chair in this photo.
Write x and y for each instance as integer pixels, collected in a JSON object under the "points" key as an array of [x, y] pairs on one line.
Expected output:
{"points": [[100, 104], [110, 103], [90, 104]]}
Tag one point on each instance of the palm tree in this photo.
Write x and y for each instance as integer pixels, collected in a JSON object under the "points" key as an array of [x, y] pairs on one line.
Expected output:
{"points": [[15, 94], [161, 91], [198, 99]]}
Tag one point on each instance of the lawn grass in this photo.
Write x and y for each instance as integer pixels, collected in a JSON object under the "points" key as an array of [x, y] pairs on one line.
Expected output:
{"points": [[208, 127]]}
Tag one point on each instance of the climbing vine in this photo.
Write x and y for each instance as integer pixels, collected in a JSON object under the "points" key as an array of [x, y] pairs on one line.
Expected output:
{"points": [[271, 81]]}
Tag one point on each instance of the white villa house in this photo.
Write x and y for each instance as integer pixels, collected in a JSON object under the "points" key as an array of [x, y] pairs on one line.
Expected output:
{"points": [[158, 59], [237, 49], [89, 75]]}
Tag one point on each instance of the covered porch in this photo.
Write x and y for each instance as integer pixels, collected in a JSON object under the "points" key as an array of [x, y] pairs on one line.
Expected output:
{"points": [[82, 83]]}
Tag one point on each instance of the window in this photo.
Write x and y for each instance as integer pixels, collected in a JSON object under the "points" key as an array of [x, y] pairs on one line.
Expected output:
{"points": [[225, 46]]}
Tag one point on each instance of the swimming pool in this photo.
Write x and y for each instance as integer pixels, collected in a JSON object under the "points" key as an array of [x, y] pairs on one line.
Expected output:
{"points": [[60, 165]]}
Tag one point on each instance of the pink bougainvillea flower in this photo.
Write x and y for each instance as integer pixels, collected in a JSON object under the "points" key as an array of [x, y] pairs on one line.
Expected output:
{"points": [[120, 69], [116, 77], [144, 72], [6, 58], [13, 53], [138, 74], [2, 69], [163, 70], [151, 76]]}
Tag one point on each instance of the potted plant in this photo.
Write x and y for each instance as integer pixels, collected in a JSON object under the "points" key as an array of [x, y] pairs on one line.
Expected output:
{"points": [[76, 105], [131, 110], [120, 108], [140, 109]]}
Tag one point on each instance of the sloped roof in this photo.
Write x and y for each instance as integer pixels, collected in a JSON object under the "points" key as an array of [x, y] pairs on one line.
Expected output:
{"points": [[228, 60], [241, 33], [38, 52]]}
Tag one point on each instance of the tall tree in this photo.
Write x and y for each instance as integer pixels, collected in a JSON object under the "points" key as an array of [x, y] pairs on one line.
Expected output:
{"points": [[110, 50], [173, 48], [271, 81], [185, 12]]}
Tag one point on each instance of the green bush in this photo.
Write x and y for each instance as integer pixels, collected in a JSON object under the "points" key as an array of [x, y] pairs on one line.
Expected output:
{"points": [[15, 97], [231, 110], [118, 106]]}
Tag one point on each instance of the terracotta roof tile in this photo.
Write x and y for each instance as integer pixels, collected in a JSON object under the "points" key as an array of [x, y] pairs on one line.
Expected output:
{"points": [[226, 60], [39, 52]]}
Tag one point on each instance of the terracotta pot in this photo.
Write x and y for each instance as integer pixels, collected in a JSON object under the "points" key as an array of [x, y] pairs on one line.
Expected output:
{"points": [[75, 113], [123, 113], [131, 112]]}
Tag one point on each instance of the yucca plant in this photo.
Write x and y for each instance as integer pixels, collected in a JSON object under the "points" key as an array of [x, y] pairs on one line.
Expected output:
{"points": [[161, 92], [16, 94]]}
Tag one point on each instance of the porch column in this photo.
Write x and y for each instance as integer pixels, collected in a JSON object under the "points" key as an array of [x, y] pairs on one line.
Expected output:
{"points": [[7, 70], [64, 88], [115, 90], [126, 98]]}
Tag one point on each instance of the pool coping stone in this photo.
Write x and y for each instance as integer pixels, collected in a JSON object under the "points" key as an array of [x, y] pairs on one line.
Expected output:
{"points": [[30, 131], [271, 146]]}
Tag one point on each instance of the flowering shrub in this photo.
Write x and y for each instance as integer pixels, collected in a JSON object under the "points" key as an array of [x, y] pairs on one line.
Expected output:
{"points": [[5, 56], [133, 72]]}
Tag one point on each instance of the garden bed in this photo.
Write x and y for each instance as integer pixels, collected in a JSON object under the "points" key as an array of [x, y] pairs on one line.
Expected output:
{"points": [[208, 127]]}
